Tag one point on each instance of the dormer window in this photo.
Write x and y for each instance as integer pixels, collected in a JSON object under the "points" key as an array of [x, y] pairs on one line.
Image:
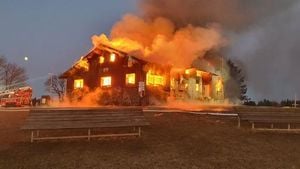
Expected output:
{"points": [[112, 57], [101, 59], [130, 61]]}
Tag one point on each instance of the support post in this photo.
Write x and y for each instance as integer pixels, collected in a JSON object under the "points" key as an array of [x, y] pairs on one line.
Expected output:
{"points": [[239, 122], [37, 133], [89, 134], [253, 126], [139, 131], [134, 129], [272, 126], [31, 138], [289, 126]]}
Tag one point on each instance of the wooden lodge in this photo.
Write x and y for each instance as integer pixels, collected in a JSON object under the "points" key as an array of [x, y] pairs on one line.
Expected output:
{"points": [[130, 78]]}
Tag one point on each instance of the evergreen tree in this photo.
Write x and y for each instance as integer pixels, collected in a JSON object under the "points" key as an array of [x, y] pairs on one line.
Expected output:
{"points": [[236, 87]]}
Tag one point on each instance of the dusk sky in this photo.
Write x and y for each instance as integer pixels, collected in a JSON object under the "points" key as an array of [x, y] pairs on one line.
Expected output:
{"points": [[53, 34]]}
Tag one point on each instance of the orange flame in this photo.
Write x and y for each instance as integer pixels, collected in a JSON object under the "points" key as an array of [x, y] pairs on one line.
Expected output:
{"points": [[158, 41]]}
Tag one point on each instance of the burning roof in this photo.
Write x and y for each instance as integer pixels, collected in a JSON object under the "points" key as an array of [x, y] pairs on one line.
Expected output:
{"points": [[82, 63]]}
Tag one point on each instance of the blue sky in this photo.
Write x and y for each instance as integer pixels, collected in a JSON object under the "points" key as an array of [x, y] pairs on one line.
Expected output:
{"points": [[53, 34]]}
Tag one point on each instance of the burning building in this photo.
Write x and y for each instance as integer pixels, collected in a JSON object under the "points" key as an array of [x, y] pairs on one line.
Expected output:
{"points": [[126, 77]]}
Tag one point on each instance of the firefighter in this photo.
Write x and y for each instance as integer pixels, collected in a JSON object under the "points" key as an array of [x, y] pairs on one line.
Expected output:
{"points": [[34, 102]]}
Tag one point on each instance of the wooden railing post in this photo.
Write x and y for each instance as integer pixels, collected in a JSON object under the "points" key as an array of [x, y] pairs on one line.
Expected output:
{"points": [[31, 138], [89, 134], [139, 131]]}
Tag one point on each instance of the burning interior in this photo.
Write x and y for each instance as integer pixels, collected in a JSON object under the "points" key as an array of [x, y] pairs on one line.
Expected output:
{"points": [[118, 75]]}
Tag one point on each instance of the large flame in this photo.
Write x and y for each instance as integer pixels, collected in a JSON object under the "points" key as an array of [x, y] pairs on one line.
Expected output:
{"points": [[82, 64], [159, 41]]}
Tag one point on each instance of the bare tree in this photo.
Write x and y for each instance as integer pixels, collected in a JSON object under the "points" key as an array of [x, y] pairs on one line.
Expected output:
{"points": [[2, 62], [56, 86], [12, 75], [2, 65]]}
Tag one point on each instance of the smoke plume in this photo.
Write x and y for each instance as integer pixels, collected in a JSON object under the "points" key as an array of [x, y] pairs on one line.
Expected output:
{"points": [[270, 52], [261, 33], [231, 14]]}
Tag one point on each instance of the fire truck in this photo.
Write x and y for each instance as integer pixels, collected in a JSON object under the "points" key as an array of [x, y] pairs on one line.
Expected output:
{"points": [[16, 97]]}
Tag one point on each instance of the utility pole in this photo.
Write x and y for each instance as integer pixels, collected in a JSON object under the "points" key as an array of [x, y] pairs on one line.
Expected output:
{"points": [[51, 80], [295, 103]]}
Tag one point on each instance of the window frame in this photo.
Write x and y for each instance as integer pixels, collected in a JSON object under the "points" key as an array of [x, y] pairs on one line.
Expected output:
{"points": [[112, 57], [127, 79], [102, 79], [78, 81]]}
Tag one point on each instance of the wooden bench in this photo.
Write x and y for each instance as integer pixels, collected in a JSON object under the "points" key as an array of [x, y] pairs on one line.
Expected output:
{"points": [[271, 118], [85, 119]]}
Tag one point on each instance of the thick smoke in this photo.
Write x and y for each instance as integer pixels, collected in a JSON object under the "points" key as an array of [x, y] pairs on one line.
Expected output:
{"points": [[271, 52], [231, 14], [261, 33]]}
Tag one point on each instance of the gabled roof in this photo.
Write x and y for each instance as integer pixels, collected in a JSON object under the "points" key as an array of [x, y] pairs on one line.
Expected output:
{"points": [[90, 54]]}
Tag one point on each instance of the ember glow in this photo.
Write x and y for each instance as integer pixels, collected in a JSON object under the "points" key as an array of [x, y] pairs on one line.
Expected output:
{"points": [[82, 64]]}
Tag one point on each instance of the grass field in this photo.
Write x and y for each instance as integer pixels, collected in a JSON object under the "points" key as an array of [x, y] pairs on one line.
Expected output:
{"points": [[172, 141]]}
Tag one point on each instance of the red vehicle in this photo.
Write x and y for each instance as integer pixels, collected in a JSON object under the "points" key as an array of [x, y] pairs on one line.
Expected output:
{"points": [[16, 97]]}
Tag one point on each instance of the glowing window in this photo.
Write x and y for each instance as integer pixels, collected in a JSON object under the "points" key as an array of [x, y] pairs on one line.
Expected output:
{"points": [[106, 81], [154, 80], [101, 59], [130, 78], [219, 85], [78, 84], [197, 87], [112, 57], [130, 62], [199, 73]]}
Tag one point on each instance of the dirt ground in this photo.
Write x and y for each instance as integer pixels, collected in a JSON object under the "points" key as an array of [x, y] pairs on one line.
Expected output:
{"points": [[172, 141]]}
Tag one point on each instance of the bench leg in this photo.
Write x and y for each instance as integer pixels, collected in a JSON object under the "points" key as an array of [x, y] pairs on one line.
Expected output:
{"points": [[139, 131], [253, 126], [31, 138], [89, 134], [289, 126], [37, 133], [272, 126], [239, 122]]}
